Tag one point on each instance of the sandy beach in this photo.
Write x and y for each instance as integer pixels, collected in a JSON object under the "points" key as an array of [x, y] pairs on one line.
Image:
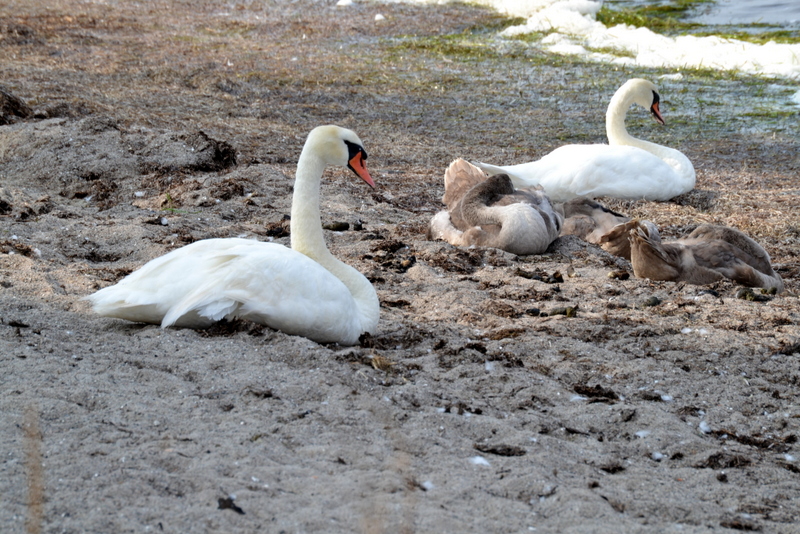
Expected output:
{"points": [[479, 405]]}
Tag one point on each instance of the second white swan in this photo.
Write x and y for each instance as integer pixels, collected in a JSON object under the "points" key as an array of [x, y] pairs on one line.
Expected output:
{"points": [[627, 167]]}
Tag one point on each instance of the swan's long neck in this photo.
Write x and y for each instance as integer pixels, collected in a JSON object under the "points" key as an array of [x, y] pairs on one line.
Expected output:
{"points": [[307, 237], [306, 225], [618, 135], [615, 121]]}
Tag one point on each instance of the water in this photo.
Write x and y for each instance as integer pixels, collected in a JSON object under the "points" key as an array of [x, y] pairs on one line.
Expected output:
{"points": [[779, 13], [742, 12], [573, 29]]}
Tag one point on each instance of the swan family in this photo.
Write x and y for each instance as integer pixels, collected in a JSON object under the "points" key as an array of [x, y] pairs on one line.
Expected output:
{"points": [[306, 291], [523, 208]]}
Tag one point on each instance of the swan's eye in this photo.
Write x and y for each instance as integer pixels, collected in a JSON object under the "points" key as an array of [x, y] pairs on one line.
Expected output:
{"points": [[656, 98], [353, 149]]}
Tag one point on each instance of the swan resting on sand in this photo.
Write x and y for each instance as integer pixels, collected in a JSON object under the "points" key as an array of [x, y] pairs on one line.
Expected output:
{"points": [[302, 291], [710, 253], [627, 167], [489, 212]]}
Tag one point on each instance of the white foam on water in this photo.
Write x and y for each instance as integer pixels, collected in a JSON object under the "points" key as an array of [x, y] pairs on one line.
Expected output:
{"points": [[573, 29]]}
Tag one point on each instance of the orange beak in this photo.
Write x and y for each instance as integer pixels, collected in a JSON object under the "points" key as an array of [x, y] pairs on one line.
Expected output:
{"points": [[656, 113], [358, 166]]}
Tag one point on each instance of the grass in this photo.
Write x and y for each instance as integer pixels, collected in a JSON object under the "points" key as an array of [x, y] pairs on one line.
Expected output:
{"points": [[661, 18], [770, 113], [493, 23], [473, 48], [611, 52]]}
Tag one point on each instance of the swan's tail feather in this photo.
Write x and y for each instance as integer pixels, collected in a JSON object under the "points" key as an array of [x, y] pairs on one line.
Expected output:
{"points": [[137, 313], [115, 302], [752, 253]]}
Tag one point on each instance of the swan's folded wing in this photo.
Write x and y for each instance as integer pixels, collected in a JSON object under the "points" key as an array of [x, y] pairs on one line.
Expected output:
{"points": [[733, 263], [749, 251], [147, 294], [278, 287], [606, 171]]}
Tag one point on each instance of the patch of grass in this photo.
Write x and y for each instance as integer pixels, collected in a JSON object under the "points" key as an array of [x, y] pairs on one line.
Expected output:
{"points": [[612, 52], [661, 18], [455, 46], [469, 49], [495, 23], [770, 113], [532, 37]]}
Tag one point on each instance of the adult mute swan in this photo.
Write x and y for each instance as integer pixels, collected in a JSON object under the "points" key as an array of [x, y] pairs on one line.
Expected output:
{"points": [[489, 212], [627, 167], [302, 291], [710, 253]]}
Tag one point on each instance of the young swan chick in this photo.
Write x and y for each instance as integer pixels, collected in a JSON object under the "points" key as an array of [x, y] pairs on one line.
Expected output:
{"points": [[489, 212], [710, 253]]}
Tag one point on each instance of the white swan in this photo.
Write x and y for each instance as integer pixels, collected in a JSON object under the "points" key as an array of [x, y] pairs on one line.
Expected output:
{"points": [[302, 291], [625, 168], [489, 212]]}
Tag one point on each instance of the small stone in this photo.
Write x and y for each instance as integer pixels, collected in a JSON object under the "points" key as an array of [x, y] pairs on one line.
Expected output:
{"points": [[619, 275], [747, 293], [337, 226], [569, 311], [555, 278], [650, 302]]}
